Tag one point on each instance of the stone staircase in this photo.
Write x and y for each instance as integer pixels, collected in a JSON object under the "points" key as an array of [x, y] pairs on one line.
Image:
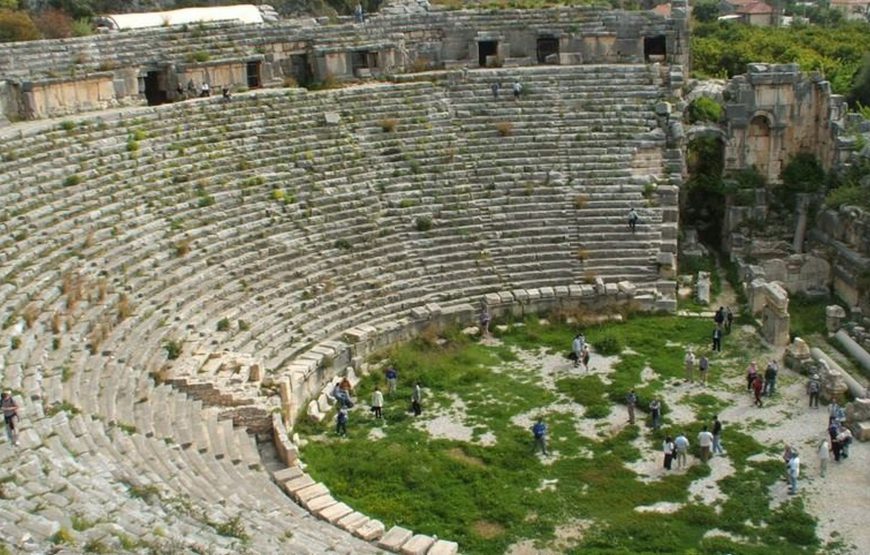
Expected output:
{"points": [[130, 236]]}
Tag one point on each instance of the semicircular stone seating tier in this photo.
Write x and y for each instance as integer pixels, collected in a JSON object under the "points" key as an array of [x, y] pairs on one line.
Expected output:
{"points": [[273, 227]]}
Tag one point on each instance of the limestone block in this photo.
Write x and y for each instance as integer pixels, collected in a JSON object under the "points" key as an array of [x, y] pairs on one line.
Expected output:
{"points": [[777, 295], [318, 504], [834, 316], [395, 538], [626, 287], [575, 291], [287, 474], [861, 431], [419, 313], [492, 299], [313, 491], [858, 411], [314, 413], [323, 403], [417, 545], [611, 289], [506, 297], [799, 348], [547, 293], [534, 294], [353, 521], [434, 308], [332, 118], [298, 484], [561, 290], [334, 513], [587, 290], [520, 295], [702, 288], [443, 547], [370, 531], [599, 286]]}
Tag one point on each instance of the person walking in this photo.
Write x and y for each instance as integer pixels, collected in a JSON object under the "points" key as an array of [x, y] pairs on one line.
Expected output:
{"points": [[631, 403], [10, 416], [729, 320], [577, 345], [655, 411], [668, 449], [757, 388], [518, 90], [585, 357], [633, 218], [703, 366], [495, 88], [539, 431], [719, 317], [770, 374], [824, 457], [751, 372], [341, 422], [717, 339], [681, 448], [814, 386], [717, 436], [705, 442], [794, 468], [485, 319], [392, 379], [377, 403], [689, 363], [417, 399]]}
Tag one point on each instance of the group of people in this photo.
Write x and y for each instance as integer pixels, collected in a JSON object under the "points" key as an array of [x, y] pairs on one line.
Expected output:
{"points": [[762, 385], [709, 443], [580, 351], [342, 395], [517, 89], [203, 91]]}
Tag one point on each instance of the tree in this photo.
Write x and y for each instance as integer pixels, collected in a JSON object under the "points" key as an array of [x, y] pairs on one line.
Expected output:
{"points": [[860, 92], [54, 24], [16, 25], [706, 11]]}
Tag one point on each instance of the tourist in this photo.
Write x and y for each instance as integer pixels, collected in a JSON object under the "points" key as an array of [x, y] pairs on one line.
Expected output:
{"points": [[844, 438], [719, 317], [225, 92], [655, 411], [751, 372], [631, 403], [717, 436], [341, 396], [10, 416], [585, 357], [824, 457], [179, 91], [770, 374], [668, 449], [417, 400], [205, 90], [518, 90], [358, 13], [633, 218], [757, 388], [794, 466], [705, 442], [729, 319], [814, 387], [346, 386], [539, 431], [191, 89], [494, 88], [689, 362], [392, 379], [834, 433], [341, 422], [703, 367], [681, 445], [717, 339], [377, 403], [485, 318], [837, 414], [577, 346]]}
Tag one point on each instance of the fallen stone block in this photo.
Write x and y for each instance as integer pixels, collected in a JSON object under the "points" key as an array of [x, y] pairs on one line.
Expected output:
{"points": [[443, 547], [370, 531], [395, 538], [417, 545]]}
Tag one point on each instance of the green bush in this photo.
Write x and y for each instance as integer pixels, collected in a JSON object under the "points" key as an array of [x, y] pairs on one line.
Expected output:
{"points": [[223, 324], [424, 223], [705, 109], [173, 349], [608, 345], [803, 173], [850, 195]]}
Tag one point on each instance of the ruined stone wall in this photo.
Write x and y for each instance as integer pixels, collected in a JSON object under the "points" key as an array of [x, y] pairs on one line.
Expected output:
{"points": [[775, 111], [51, 78], [846, 233]]}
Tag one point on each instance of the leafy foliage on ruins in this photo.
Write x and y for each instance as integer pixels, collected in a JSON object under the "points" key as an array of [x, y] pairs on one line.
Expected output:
{"points": [[721, 49]]}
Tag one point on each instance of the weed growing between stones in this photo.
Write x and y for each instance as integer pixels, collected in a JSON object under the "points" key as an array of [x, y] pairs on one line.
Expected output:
{"points": [[480, 483]]}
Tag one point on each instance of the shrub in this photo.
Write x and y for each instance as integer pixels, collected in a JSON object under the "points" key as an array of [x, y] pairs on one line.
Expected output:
{"points": [[704, 109], [244, 325], [343, 244], [199, 56], [182, 248], [580, 201], [173, 349], [389, 125], [504, 128], [223, 324], [851, 195], [608, 345], [803, 173], [54, 24], [15, 342], [17, 26], [424, 223], [67, 125], [72, 181]]}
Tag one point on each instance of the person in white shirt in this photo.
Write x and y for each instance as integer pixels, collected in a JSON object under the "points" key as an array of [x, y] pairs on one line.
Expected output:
{"points": [[794, 470], [824, 457], [705, 441], [377, 402]]}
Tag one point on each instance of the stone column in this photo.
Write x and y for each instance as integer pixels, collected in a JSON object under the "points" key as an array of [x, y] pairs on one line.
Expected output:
{"points": [[803, 202]]}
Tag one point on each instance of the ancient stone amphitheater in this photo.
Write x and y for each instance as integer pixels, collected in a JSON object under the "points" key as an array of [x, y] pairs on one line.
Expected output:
{"points": [[183, 279]]}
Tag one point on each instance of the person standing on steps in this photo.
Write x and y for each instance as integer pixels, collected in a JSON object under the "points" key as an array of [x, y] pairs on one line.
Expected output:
{"points": [[495, 87], [518, 90], [10, 416], [631, 403], [377, 403], [539, 431], [633, 218], [814, 386], [417, 400]]}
